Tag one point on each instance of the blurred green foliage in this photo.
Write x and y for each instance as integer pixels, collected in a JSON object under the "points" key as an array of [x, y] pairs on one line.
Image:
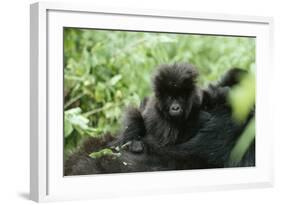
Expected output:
{"points": [[104, 71], [243, 142], [242, 97]]}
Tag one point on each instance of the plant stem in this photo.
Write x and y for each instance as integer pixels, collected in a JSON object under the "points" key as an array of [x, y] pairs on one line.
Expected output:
{"points": [[92, 112], [73, 100]]}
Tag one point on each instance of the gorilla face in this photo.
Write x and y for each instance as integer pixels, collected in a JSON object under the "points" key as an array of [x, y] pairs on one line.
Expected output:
{"points": [[175, 106], [175, 90]]}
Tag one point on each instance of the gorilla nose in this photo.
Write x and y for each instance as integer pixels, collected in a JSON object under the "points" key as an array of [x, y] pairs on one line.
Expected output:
{"points": [[175, 108]]}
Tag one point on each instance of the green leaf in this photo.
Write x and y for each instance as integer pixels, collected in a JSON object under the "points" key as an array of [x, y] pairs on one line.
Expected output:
{"points": [[67, 127], [113, 81], [242, 97], [73, 119], [103, 152], [243, 142], [73, 111]]}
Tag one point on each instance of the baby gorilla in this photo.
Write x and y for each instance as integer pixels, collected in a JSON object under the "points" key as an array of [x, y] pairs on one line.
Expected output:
{"points": [[172, 115]]}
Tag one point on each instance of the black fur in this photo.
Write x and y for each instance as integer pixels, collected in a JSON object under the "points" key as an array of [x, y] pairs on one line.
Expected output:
{"points": [[195, 135], [213, 143], [215, 94], [133, 126], [179, 127], [231, 78], [174, 85], [172, 113], [80, 163]]}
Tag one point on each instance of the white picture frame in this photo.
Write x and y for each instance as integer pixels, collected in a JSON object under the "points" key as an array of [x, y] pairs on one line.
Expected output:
{"points": [[47, 182]]}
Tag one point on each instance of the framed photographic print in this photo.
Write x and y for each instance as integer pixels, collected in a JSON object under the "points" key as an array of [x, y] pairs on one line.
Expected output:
{"points": [[127, 102]]}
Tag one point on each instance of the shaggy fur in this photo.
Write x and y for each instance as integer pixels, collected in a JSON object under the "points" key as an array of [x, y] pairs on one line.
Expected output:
{"points": [[212, 144], [180, 127], [175, 87], [172, 113], [80, 163], [203, 131]]}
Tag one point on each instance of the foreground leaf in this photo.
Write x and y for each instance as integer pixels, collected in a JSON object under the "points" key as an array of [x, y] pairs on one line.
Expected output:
{"points": [[243, 142], [103, 152]]}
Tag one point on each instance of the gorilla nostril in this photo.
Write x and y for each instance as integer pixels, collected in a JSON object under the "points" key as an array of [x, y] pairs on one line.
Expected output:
{"points": [[175, 110], [175, 107]]}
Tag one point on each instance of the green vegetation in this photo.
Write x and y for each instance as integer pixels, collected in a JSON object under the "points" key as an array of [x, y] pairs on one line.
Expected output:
{"points": [[244, 142], [105, 71], [103, 152]]}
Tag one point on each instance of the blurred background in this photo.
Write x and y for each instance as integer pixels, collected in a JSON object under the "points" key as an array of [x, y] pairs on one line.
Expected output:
{"points": [[105, 71]]}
